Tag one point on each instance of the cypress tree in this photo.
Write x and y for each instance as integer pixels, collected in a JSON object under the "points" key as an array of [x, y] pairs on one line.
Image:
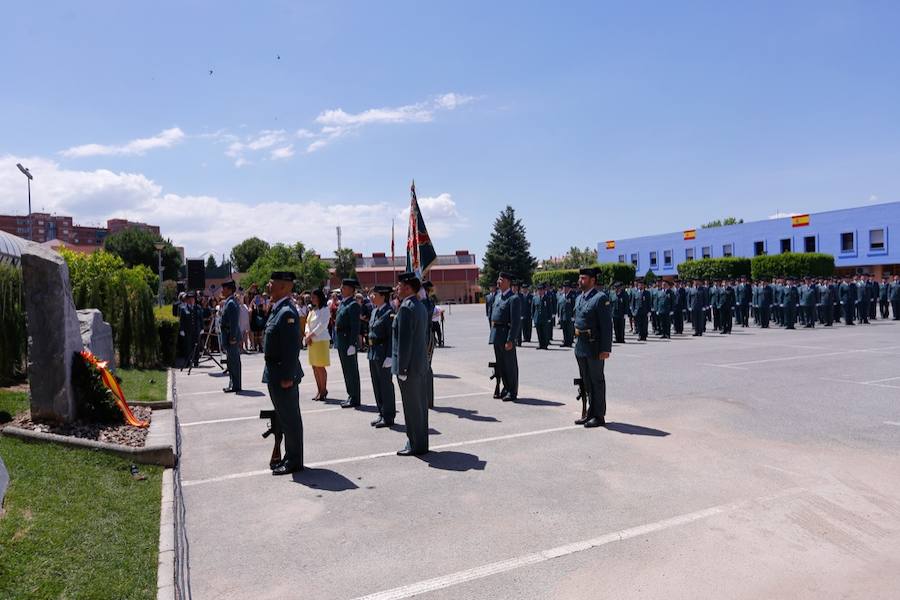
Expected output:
{"points": [[508, 250]]}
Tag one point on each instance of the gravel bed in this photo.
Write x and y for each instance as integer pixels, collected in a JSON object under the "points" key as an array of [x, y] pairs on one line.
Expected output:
{"points": [[113, 433]]}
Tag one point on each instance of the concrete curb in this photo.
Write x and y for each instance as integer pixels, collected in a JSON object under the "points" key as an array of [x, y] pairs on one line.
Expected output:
{"points": [[148, 455], [165, 569], [156, 405]]}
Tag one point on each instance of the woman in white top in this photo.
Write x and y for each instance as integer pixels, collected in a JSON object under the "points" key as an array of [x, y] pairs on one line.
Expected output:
{"points": [[318, 340], [244, 322]]}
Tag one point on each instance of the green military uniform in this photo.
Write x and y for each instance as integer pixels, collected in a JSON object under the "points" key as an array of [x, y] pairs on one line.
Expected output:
{"points": [[506, 320], [566, 301], [620, 300], [527, 307], [281, 349], [593, 330], [541, 309], [409, 364], [231, 337], [380, 356], [346, 337]]}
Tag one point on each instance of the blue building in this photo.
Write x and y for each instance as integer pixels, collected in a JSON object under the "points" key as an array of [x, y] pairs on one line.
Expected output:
{"points": [[858, 238]]}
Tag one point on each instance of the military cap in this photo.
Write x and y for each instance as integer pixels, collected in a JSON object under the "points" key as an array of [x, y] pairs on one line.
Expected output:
{"points": [[639, 280], [408, 276], [229, 284], [617, 284], [350, 281], [190, 295], [506, 275], [525, 286], [589, 271], [427, 284], [282, 276], [382, 289], [542, 286]]}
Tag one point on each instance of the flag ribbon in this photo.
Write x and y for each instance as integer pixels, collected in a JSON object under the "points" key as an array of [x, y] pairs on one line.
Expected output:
{"points": [[110, 382]]}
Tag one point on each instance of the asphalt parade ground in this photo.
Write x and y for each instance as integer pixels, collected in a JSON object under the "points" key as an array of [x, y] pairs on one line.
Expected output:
{"points": [[763, 464]]}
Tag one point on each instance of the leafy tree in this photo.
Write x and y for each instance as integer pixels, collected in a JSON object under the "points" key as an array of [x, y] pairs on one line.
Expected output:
{"points": [[344, 263], [136, 247], [575, 258], [211, 262], [649, 278], [508, 250], [310, 270], [245, 254], [723, 222]]}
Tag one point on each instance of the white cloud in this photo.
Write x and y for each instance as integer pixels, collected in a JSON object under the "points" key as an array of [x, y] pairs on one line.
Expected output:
{"points": [[284, 152], [782, 215], [205, 222], [263, 140], [164, 139]]}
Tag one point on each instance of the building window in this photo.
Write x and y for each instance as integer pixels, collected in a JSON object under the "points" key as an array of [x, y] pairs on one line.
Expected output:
{"points": [[634, 260], [809, 243], [847, 244], [706, 251], [653, 260], [667, 258], [621, 258], [688, 254], [727, 250], [876, 239], [785, 245], [759, 248]]}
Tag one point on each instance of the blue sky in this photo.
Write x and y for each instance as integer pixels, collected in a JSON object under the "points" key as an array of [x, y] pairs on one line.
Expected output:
{"points": [[593, 120]]}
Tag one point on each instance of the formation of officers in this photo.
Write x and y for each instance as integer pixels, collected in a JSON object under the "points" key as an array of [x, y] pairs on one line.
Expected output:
{"points": [[399, 345]]}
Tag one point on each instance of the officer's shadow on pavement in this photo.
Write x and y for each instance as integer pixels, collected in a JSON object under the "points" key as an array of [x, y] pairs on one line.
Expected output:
{"points": [[635, 429], [464, 413], [323, 479], [445, 376], [450, 460], [537, 402], [400, 427], [250, 393]]}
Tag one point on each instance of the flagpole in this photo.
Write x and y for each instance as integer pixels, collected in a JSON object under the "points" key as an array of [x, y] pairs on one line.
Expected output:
{"points": [[393, 259]]}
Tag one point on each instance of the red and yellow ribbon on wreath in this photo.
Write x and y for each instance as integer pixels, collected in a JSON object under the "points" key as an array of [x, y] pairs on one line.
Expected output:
{"points": [[110, 382]]}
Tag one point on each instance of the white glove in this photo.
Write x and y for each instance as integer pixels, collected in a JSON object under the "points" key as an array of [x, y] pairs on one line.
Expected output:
{"points": [[401, 377], [351, 350], [387, 363], [181, 333]]}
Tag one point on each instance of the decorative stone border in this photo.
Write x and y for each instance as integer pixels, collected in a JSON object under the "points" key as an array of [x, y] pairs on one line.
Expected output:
{"points": [[165, 567]]}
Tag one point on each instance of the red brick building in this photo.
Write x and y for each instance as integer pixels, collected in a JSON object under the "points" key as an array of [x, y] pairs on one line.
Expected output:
{"points": [[455, 276], [43, 227]]}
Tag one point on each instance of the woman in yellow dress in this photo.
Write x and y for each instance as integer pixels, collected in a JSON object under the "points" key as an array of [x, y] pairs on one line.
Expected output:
{"points": [[318, 341]]}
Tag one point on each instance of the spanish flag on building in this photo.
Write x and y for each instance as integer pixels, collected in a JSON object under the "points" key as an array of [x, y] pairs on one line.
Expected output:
{"points": [[800, 220], [610, 244], [690, 234]]}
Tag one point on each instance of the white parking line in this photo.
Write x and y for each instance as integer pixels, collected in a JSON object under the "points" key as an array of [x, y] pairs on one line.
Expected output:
{"points": [[503, 566], [338, 461], [881, 380], [802, 356], [897, 423]]}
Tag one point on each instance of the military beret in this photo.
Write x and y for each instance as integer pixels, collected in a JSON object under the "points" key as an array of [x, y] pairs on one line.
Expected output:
{"points": [[230, 283], [589, 271], [282, 276], [506, 275], [351, 281], [382, 289], [408, 276]]}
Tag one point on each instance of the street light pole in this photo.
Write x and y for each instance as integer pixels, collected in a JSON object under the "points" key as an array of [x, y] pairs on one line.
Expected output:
{"points": [[159, 292], [28, 175]]}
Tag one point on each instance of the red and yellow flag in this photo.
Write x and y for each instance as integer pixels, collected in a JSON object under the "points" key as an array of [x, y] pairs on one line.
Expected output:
{"points": [[799, 220], [610, 244], [690, 234], [110, 382]]}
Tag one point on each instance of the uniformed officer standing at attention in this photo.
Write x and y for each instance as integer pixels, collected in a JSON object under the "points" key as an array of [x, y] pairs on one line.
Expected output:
{"points": [[426, 297], [641, 306], [809, 300], [282, 373], [380, 356], [489, 303], [593, 344], [620, 309], [506, 319], [231, 336], [847, 295], [346, 336], [894, 298], [567, 314], [699, 301], [527, 306], [665, 306], [190, 327], [540, 314], [408, 362]]}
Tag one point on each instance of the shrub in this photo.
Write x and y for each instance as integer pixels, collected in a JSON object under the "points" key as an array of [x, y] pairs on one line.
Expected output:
{"points": [[12, 324], [609, 273], [792, 264], [715, 268], [167, 330]]}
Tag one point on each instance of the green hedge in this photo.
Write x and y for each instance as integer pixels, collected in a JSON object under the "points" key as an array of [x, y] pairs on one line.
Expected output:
{"points": [[792, 264], [167, 328], [714, 268], [12, 324], [609, 272]]}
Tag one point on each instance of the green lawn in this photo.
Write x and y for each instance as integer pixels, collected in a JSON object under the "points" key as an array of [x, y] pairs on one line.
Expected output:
{"points": [[146, 385], [13, 402], [77, 525]]}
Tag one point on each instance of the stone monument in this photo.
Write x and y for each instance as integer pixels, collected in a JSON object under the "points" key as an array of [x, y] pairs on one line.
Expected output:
{"points": [[54, 335], [96, 336]]}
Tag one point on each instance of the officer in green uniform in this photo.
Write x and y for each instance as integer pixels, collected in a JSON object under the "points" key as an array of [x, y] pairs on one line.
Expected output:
{"points": [[809, 299], [380, 356], [727, 300], [429, 301], [894, 297], [665, 306], [641, 306], [620, 300], [540, 315], [282, 373], [527, 307], [593, 344], [790, 299], [506, 319], [567, 314], [848, 300], [489, 303], [231, 336], [346, 337], [883, 297], [409, 364]]}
